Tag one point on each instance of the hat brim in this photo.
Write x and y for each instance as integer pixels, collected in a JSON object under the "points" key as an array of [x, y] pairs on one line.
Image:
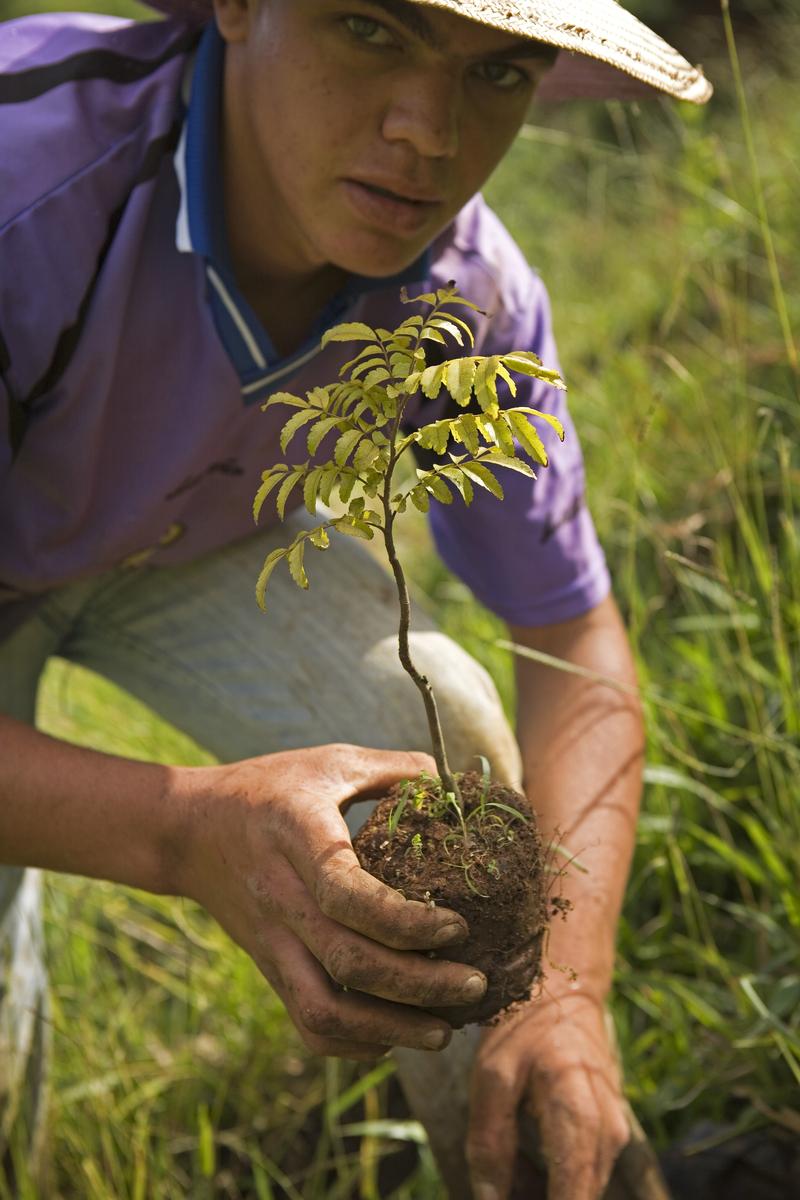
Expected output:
{"points": [[605, 52]]}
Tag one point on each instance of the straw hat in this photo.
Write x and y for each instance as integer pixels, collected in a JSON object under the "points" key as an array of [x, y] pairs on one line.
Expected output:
{"points": [[606, 52]]}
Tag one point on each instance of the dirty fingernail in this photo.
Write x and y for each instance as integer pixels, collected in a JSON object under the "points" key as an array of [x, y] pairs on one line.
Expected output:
{"points": [[454, 932], [435, 1039], [485, 1191], [474, 988]]}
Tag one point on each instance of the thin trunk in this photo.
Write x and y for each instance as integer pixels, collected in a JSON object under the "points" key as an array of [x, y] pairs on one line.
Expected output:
{"points": [[429, 700]]}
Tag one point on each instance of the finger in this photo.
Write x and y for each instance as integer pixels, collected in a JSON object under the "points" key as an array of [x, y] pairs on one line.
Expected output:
{"points": [[364, 965], [324, 858], [571, 1133], [325, 1016], [492, 1135]]}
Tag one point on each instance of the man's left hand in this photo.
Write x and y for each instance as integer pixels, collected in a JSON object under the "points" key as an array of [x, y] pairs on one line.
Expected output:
{"points": [[552, 1058]]}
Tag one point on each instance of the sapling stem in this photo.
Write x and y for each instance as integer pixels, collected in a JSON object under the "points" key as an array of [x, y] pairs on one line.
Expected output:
{"points": [[429, 700]]}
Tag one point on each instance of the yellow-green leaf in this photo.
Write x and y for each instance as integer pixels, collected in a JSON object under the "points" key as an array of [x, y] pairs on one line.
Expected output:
{"points": [[287, 398], [352, 331], [497, 458], [431, 380], [270, 562], [484, 383], [286, 487], [501, 433], [484, 477], [525, 362], [319, 538], [270, 480], [459, 378], [345, 445], [465, 430], [320, 430], [419, 498], [295, 422], [437, 487], [310, 489], [355, 528], [527, 436], [295, 561]]}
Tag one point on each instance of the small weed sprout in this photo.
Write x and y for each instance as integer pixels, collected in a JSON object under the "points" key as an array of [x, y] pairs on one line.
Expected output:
{"points": [[364, 412]]}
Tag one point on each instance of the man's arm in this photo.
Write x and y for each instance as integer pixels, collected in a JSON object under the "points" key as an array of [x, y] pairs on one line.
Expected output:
{"points": [[263, 845], [582, 744]]}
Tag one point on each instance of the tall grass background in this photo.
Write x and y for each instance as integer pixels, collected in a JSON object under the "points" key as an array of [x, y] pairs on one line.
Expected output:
{"points": [[668, 237]]}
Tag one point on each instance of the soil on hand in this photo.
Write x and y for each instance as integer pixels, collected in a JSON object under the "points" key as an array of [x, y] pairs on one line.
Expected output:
{"points": [[489, 867]]}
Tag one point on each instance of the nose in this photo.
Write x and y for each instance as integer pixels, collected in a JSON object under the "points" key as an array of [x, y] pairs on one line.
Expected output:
{"points": [[424, 113]]}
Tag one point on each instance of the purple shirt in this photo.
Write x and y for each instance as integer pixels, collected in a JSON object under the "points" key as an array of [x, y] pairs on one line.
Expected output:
{"points": [[132, 368]]}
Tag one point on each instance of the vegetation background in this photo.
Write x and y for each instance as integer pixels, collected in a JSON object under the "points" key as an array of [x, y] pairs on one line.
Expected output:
{"points": [[668, 237]]}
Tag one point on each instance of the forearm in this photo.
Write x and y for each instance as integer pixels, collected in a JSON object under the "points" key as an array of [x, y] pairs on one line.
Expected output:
{"points": [[582, 744], [66, 808]]}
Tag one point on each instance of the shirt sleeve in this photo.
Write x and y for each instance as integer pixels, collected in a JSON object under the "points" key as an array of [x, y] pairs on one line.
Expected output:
{"points": [[534, 557]]}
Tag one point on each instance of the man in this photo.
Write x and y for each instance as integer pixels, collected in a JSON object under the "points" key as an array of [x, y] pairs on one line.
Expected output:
{"points": [[184, 208]]}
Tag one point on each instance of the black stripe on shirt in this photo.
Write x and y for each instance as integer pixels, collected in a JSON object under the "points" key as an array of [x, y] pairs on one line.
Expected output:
{"points": [[149, 167], [17, 87]]}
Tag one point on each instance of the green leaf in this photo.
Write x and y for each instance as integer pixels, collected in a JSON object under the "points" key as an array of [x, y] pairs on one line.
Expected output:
{"points": [[295, 422], [484, 383], [501, 432], [367, 364], [527, 436], [345, 445], [353, 331], [431, 380], [365, 454], [454, 326], [436, 485], [320, 430], [270, 562], [287, 398], [525, 362], [432, 335], [286, 487], [354, 528], [419, 498], [459, 377], [270, 480], [348, 482], [310, 489], [497, 458], [330, 474], [376, 377], [461, 481], [295, 561], [319, 538], [465, 430], [484, 477]]}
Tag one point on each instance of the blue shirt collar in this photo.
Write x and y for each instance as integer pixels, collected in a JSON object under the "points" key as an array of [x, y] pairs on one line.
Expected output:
{"points": [[201, 229]]}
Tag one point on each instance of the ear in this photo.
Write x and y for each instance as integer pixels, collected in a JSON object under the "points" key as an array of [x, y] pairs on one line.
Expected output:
{"points": [[234, 18]]}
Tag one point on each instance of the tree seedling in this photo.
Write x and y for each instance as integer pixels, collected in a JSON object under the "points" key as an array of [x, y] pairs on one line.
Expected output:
{"points": [[358, 440]]}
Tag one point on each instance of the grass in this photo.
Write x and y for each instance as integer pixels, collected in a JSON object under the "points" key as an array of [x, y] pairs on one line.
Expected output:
{"points": [[668, 237]]}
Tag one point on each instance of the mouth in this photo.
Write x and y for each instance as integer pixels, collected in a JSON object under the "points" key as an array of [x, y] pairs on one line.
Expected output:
{"points": [[407, 195], [405, 212]]}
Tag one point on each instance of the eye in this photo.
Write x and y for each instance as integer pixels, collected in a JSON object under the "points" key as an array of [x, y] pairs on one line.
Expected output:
{"points": [[367, 30], [501, 75]]}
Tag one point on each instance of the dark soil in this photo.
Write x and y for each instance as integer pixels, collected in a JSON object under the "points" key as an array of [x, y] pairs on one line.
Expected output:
{"points": [[495, 878]]}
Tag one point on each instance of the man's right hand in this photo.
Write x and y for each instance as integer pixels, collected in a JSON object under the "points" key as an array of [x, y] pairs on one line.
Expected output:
{"points": [[268, 854]]}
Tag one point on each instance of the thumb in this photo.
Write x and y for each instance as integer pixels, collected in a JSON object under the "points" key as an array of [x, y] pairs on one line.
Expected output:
{"points": [[378, 770]]}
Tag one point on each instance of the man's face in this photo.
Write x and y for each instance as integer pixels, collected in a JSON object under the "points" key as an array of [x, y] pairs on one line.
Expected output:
{"points": [[365, 125]]}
